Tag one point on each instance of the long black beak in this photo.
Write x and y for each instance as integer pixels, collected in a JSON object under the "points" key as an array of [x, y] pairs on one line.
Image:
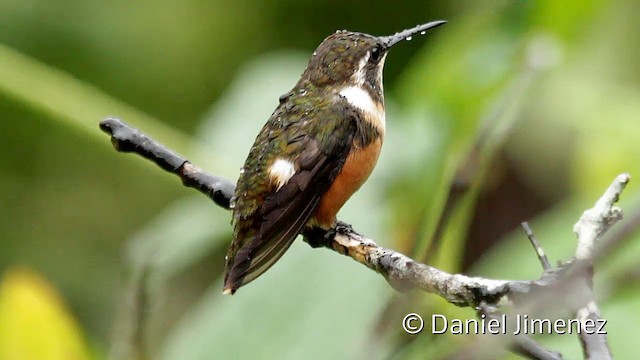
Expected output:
{"points": [[391, 40]]}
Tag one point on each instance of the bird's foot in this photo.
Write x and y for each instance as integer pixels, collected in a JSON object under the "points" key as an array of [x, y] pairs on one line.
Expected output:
{"points": [[342, 228], [317, 237]]}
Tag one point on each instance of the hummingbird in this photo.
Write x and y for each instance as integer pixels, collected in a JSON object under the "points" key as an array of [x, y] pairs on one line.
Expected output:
{"points": [[317, 148]]}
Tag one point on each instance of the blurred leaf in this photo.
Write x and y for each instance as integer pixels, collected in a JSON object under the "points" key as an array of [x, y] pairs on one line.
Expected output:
{"points": [[312, 304], [72, 102], [179, 236], [34, 322], [565, 19]]}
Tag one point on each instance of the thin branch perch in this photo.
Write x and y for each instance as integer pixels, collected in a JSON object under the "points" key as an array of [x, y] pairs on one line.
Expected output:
{"points": [[401, 271], [127, 139], [404, 273], [542, 257]]}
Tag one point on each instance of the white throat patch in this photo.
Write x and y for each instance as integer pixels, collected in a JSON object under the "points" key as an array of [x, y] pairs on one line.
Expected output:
{"points": [[360, 98]]}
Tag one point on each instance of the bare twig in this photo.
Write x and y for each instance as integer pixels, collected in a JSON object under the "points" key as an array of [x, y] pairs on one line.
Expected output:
{"points": [[530, 349], [616, 238], [544, 261], [129, 338], [128, 139], [520, 344], [590, 227], [596, 221]]}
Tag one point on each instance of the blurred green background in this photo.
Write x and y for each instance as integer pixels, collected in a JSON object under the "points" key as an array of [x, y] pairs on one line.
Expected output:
{"points": [[517, 110]]}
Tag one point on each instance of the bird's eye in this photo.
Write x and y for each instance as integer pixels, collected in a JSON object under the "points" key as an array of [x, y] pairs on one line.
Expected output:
{"points": [[375, 54]]}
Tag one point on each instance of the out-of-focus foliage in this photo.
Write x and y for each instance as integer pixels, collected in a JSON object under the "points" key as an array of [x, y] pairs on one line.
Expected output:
{"points": [[34, 322], [556, 83]]}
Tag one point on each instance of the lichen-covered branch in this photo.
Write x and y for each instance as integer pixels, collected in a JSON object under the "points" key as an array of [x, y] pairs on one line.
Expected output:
{"points": [[404, 273], [596, 221], [590, 227]]}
